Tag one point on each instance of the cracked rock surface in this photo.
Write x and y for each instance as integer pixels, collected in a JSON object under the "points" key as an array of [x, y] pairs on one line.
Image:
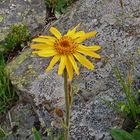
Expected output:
{"points": [[119, 35]]}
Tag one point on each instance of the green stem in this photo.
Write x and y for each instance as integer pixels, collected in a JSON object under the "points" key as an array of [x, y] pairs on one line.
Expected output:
{"points": [[67, 95]]}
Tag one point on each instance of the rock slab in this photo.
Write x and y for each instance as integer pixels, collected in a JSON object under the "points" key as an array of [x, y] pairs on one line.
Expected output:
{"points": [[119, 36], [29, 12]]}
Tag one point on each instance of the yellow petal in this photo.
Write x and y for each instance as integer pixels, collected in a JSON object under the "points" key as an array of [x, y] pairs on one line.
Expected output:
{"points": [[92, 48], [48, 37], [74, 64], [55, 32], [62, 64], [46, 53], [69, 69], [43, 40], [84, 61], [87, 52], [71, 32], [40, 46], [75, 28], [86, 36], [35, 52], [53, 62], [78, 34]]}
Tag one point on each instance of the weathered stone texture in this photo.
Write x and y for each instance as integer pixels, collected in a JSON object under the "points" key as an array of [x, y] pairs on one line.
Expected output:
{"points": [[20, 114], [119, 36], [29, 12]]}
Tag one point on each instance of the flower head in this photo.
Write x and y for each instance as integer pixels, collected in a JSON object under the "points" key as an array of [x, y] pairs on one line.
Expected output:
{"points": [[66, 49]]}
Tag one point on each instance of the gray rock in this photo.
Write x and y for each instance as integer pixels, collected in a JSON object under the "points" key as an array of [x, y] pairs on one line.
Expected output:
{"points": [[29, 12], [91, 118], [19, 121]]}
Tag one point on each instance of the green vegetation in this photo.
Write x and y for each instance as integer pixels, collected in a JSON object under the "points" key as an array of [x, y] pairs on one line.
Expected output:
{"points": [[14, 41], [7, 92], [37, 135], [58, 6], [3, 134], [128, 109], [120, 134], [17, 38]]}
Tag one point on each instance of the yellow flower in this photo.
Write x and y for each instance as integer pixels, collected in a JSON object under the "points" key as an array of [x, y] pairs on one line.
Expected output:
{"points": [[66, 49]]}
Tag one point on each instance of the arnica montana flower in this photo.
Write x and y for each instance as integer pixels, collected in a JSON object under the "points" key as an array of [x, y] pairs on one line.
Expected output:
{"points": [[66, 49]]}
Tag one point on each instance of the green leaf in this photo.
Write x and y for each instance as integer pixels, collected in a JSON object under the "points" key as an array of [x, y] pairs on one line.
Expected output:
{"points": [[128, 93], [119, 134], [61, 137], [136, 134], [36, 134], [64, 125], [2, 133], [138, 110], [60, 5], [123, 106], [57, 14]]}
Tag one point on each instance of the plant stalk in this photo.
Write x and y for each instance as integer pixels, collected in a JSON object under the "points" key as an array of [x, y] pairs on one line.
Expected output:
{"points": [[67, 104]]}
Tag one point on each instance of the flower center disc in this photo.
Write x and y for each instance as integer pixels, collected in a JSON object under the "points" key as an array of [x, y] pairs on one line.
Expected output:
{"points": [[65, 45]]}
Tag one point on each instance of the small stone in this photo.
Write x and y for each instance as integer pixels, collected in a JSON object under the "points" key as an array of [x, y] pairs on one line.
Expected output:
{"points": [[112, 55]]}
